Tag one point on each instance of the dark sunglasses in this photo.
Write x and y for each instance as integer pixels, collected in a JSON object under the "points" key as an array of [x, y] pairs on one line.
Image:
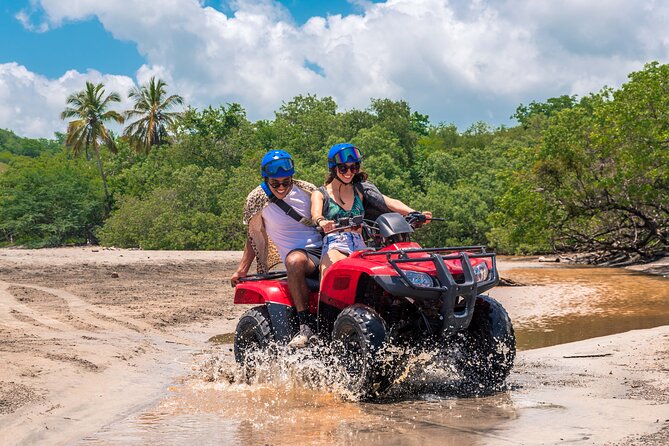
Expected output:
{"points": [[277, 184], [343, 168]]}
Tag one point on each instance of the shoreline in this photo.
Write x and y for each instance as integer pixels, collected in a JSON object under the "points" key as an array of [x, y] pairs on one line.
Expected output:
{"points": [[88, 335]]}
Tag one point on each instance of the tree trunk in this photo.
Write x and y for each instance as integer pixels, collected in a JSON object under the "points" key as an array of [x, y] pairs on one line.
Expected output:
{"points": [[104, 178]]}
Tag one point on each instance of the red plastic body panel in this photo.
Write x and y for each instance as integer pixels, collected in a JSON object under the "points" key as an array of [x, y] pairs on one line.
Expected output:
{"points": [[339, 286], [274, 291]]}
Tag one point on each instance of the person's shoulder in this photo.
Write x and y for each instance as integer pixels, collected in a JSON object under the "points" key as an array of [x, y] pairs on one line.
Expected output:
{"points": [[256, 193], [255, 202], [305, 185], [367, 185]]}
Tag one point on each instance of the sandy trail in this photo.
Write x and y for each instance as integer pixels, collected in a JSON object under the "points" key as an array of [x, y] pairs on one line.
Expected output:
{"points": [[89, 335]]}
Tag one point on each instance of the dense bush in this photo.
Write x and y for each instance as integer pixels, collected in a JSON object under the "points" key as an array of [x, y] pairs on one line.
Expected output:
{"points": [[576, 174], [50, 201]]}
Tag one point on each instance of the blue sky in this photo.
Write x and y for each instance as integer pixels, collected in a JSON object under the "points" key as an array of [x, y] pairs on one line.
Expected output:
{"points": [[458, 61], [96, 48]]}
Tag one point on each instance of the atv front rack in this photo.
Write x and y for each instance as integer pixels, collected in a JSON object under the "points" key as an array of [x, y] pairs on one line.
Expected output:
{"points": [[464, 253], [458, 298]]}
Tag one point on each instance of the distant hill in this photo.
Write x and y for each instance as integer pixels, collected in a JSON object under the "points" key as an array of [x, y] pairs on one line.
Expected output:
{"points": [[16, 145]]}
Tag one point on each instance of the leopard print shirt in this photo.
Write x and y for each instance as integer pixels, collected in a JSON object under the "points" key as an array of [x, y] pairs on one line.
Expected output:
{"points": [[265, 252]]}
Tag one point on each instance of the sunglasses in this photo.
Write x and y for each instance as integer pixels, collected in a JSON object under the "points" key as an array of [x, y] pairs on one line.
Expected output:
{"points": [[277, 184], [343, 168]]}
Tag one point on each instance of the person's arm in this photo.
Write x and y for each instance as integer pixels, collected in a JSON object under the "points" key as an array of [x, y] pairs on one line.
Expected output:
{"points": [[247, 259], [317, 212], [396, 205]]}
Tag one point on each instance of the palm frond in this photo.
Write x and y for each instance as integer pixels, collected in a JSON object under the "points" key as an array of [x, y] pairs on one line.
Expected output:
{"points": [[150, 114]]}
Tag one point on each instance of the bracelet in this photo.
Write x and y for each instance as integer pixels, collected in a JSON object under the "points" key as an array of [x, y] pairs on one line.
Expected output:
{"points": [[319, 219]]}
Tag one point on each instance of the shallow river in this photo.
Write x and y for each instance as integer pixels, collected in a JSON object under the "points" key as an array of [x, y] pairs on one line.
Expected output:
{"points": [[301, 405]]}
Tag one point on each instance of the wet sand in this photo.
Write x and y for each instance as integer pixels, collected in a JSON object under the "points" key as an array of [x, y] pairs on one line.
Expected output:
{"points": [[90, 335]]}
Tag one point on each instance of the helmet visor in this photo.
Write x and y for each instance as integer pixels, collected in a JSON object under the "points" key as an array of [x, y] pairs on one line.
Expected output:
{"points": [[283, 167], [348, 155]]}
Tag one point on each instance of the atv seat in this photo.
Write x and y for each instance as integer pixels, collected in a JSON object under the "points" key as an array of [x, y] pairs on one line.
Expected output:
{"points": [[313, 283]]}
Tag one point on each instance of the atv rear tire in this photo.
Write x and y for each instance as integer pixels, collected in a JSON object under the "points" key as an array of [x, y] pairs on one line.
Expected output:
{"points": [[254, 332], [358, 335], [487, 347]]}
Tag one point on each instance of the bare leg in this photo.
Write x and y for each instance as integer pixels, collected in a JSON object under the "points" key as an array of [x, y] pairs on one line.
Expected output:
{"points": [[298, 265], [330, 257]]}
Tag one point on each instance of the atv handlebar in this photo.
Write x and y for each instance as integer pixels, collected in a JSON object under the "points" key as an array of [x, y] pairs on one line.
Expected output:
{"points": [[346, 223], [417, 219]]}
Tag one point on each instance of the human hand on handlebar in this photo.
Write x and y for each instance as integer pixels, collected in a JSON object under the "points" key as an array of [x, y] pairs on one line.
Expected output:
{"points": [[326, 225], [428, 216], [418, 219], [346, 223]]}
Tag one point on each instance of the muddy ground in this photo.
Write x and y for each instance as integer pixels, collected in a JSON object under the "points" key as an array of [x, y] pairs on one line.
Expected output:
{"points": [[88, 335]]}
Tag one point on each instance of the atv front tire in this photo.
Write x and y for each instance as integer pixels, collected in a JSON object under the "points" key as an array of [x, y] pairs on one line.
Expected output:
{"points": [[254, 333], [487, 348], [358, 336]]}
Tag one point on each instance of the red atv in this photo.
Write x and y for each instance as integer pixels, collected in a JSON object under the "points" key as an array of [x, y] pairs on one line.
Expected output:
{"points": [[395, 293]]}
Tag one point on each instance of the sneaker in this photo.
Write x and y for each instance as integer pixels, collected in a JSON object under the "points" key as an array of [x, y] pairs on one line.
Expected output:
{"points": [[302, 338]]}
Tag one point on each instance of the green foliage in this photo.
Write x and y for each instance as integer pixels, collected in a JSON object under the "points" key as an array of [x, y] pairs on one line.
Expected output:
{"points": [[12, 144], [49, 201], [599, 179], [151, 115], [216, 137], [188, 215], [525, 113], [87, 131], [588, 174]]}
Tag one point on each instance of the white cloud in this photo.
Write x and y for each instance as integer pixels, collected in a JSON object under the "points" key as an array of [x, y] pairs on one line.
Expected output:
{"points": [[459, 61], [30, 104]]}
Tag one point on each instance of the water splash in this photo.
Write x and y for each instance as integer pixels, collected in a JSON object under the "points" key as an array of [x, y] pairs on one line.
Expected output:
{"points": [[415, 370]]}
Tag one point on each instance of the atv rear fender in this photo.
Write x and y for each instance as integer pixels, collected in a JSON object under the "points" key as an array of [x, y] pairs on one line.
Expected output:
{"points": [[263, 291], [274, 294]]}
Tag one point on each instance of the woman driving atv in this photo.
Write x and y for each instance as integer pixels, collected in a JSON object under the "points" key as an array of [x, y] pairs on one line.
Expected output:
{"points": [[347, 194]]}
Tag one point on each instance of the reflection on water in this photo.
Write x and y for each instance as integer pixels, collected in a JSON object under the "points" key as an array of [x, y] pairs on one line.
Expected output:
{"points": [[568, 303], [288, 405], [213, 414]]}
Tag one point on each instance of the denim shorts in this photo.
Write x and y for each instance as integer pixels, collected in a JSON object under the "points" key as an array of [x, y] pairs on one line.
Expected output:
{"points": [[345, 242]]}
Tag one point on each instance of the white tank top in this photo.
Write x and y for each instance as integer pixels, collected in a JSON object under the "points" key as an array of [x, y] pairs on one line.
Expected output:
{"points": [[287, 233]]}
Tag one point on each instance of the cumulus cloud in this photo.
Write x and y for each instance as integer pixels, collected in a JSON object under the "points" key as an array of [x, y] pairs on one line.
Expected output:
{"points": [[458, 61], [30, 104]]}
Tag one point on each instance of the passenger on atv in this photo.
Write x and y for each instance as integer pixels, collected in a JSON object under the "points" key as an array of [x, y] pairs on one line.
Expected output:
{"points": [[279, 209], [396, 294], [343, 197]]}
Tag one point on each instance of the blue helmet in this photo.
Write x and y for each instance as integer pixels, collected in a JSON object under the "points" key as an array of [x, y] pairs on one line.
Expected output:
{"points": [[343, 153], [277, 164]]}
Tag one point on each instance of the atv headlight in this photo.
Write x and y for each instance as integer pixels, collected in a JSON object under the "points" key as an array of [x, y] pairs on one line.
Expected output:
{"points": [[481, 272], [419, 279]]}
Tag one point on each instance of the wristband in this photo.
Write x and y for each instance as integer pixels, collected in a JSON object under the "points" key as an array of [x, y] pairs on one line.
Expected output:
{"points": [[319, 219]]}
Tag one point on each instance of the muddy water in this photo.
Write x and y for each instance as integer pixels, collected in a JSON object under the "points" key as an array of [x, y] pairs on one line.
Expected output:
{"points": [[570, 303], [298, 400]]}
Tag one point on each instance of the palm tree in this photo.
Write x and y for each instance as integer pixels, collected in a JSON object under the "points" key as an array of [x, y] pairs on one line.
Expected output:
{"points": [[151, 110], [88, 131]]}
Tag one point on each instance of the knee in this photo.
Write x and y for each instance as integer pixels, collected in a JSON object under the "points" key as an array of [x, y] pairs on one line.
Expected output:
{"points": [[296, 262]]}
